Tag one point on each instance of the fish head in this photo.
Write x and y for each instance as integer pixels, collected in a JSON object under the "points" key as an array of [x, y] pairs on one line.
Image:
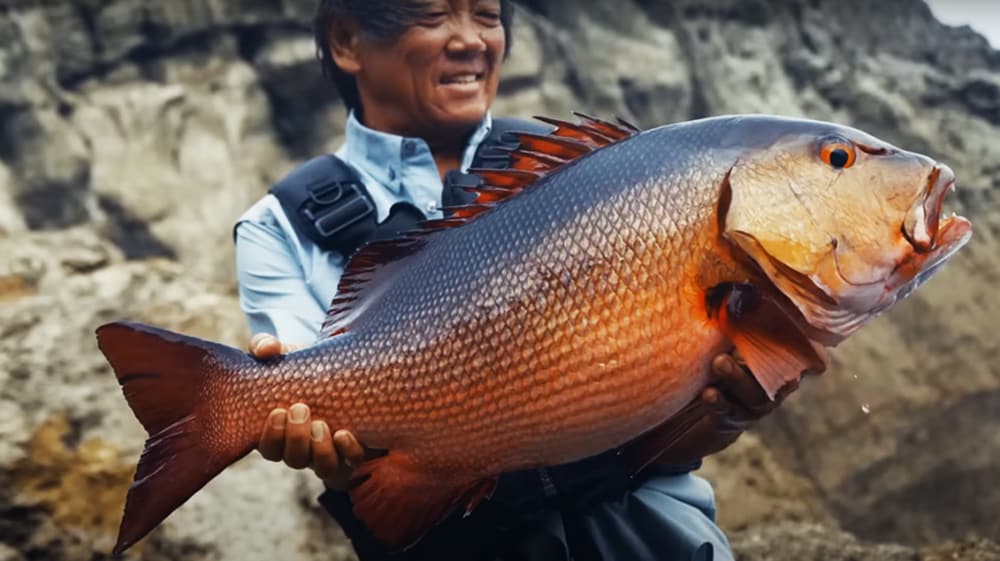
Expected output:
{"points": [[842, 223]]}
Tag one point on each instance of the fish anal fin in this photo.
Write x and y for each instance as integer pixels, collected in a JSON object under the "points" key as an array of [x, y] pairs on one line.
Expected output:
{"points": [[775, 349], [483, 490], [400, 500]]}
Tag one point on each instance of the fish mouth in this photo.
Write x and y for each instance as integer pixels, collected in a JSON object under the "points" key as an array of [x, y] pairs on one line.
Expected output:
{"points": [[934, 236], [952, 234], [924, 221]]}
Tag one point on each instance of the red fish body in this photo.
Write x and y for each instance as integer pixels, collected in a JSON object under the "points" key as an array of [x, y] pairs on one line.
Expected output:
{"points": [[572, 308]]}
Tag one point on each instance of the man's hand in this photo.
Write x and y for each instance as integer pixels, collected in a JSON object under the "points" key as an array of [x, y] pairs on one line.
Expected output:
{"points": [[731, 404], [295, 438]]}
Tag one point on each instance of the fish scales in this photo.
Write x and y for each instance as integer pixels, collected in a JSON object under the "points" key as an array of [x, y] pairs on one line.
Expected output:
{"points": [[568, 320], [549, 243]]}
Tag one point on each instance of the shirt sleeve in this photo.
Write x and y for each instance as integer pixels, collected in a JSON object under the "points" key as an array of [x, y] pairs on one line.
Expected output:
{"points": [[274, 293]]}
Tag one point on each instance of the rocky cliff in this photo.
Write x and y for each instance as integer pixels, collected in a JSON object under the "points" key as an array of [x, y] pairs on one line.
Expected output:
{"points": [[132, 134]]}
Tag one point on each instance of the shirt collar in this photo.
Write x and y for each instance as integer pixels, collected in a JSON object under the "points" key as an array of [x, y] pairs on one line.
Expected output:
{"points": [[384, 156]]}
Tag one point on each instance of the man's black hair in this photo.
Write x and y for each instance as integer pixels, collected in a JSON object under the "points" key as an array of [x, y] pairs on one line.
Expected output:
{"points": [[380, 20]]}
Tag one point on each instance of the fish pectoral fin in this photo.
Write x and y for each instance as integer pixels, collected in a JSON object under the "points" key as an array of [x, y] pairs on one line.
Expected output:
{"points": [[776, 351], [400, 500], [645, 449]]}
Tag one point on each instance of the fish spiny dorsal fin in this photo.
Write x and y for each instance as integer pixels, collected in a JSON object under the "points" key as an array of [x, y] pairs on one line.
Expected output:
{"points": [[622, 130], [539, 155], [559, 146], [583, 132], [534, 161], [369, 271], [365, 276]]}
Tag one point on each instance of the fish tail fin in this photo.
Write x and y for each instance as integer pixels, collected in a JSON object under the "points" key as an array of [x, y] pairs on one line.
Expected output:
{"points": [[164, 377]]}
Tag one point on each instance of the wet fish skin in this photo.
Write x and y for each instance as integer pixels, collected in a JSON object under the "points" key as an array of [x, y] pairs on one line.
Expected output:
{"points": [[570, 319]]}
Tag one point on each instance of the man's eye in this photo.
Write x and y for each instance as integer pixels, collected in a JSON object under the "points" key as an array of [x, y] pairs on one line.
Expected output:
{"points": [[490, 17], [433, 18]]}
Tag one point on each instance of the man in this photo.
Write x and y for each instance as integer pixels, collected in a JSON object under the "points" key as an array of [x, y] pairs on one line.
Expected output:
{"points": [[418, 79]]}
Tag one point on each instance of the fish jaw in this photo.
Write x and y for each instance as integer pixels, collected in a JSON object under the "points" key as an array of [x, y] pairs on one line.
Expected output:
{"points": [[930, 241], [831, 307], [923, 221], [953, 233]]}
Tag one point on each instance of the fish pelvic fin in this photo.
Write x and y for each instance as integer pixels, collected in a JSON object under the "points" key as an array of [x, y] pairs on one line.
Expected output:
{"points": [[645, 449], [164, 376], [776, 351], [399, 500]]}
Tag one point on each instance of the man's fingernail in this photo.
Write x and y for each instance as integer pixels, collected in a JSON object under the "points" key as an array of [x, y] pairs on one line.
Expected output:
{"points": [[317, 430], [278, 420], [710, 395], [298, 413]]}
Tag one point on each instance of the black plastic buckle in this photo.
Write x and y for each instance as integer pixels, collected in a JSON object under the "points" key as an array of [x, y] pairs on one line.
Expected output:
{"points": [[334, 207]]}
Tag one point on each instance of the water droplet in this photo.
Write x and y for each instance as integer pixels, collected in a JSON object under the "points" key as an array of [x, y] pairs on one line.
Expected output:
{"points": [[865, 408]]}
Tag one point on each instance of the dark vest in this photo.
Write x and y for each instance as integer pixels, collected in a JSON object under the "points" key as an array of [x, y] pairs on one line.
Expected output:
{"points": [[326, 202]]}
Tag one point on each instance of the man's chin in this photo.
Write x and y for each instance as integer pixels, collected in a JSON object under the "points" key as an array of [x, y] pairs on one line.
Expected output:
{"points": [[462, 118]]}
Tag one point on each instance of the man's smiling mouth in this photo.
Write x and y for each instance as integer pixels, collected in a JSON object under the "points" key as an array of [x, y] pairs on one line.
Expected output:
{"points": [[466, 78]]}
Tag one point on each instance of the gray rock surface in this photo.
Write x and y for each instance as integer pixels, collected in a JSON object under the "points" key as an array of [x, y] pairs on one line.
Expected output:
{"points": [[133, 134]]}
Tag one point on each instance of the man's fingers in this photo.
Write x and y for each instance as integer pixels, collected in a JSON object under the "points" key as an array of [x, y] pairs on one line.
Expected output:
{"points": [[272, 439], [739, 384], [351, 451], [729, 415], [298, 437], [265, 345], [324, 457]]}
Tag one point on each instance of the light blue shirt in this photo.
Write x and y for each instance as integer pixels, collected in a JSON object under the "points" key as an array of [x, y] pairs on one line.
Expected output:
{"points": [[286, 283]]}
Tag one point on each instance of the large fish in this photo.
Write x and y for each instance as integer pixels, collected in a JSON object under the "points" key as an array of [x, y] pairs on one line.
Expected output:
{"points": [[575, 306]]}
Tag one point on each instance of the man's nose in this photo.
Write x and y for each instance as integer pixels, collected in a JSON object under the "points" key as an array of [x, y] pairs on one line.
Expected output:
{"points": [[466, 38]]}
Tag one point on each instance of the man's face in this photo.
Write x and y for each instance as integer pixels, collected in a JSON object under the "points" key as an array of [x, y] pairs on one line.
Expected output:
{"points": [[440, 76]]}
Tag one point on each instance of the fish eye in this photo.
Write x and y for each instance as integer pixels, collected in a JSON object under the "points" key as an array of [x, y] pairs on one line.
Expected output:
{"points": [[838, 153]]}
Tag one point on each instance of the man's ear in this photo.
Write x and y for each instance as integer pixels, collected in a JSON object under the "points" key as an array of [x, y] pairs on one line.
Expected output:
{"points": [[345, 40]]}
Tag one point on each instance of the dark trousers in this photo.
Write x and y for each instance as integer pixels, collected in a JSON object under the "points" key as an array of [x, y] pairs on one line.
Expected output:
{"points": [[511, 526], [486, 535]]}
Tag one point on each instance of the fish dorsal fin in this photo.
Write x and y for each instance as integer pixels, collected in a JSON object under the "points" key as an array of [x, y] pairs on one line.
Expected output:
{"points": [[592, 130], [364, 278], [537, 155]]}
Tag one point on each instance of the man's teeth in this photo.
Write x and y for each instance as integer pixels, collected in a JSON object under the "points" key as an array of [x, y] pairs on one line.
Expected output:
{"points": [[461, 79]]}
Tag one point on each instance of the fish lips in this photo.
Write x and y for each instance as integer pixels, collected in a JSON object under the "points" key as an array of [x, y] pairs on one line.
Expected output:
{"points": [[923, 221], [951, 235]]}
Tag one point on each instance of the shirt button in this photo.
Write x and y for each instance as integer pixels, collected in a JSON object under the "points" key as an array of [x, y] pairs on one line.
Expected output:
{"points": [[409, 148], [432, 206]]}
